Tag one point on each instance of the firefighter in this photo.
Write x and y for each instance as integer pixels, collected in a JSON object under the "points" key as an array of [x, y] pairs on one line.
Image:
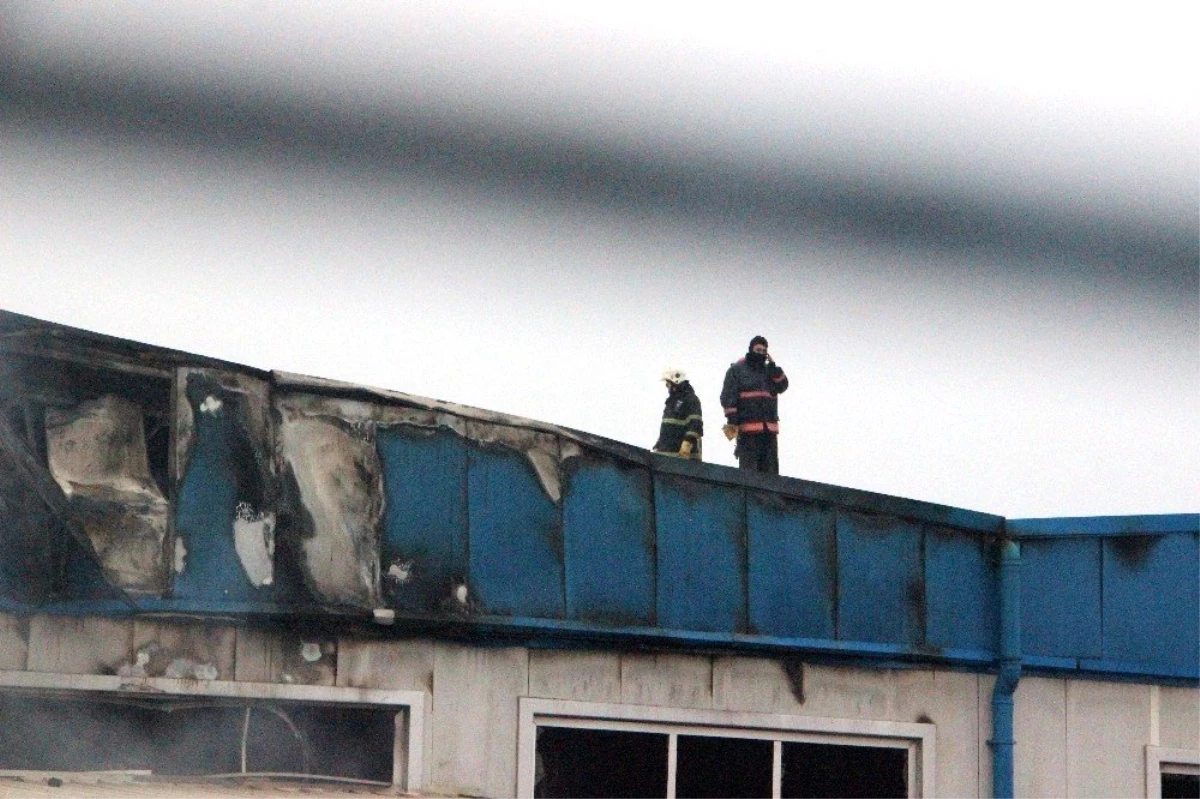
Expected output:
{"points": [[682, 423], [750, 399]]}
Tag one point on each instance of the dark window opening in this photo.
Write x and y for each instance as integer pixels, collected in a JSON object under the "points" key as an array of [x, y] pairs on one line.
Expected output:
{"points": [[834, 770], [195, 736], [716, 767], [1181, 786], [594, 763]]}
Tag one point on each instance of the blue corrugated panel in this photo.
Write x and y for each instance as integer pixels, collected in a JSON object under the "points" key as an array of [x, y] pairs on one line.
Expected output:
{"points": [[425, 517], [206, 500], [608, 543], [1151, 595], [961, 590], [1060, 597], [881, 591], [701, 555], [515, 546], [793, 565]]}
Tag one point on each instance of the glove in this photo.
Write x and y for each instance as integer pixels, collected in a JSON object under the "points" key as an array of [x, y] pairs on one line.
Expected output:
{"points": [[730, 431], [685, 449]]}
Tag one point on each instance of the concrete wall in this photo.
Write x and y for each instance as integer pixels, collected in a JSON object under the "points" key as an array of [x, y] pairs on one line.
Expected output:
{"points": [[1074, 738]]}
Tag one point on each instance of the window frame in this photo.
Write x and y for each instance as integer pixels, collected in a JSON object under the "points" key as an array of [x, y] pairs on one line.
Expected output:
{"points": [[410, 751], [1162, 760], [919, 739]]}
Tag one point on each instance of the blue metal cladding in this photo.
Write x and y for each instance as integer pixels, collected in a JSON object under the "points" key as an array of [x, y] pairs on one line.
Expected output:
{"points": [[701, 555], [425, 516], [881, 579], [635, 548], [1060, 597], [792, 567], [515, 549], [962, 581], [1151, 595], [608, 543], [206, 502]]}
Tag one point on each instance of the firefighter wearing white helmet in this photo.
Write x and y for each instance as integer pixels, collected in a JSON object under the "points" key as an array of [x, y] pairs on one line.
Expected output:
{"points": [[682, 423]]}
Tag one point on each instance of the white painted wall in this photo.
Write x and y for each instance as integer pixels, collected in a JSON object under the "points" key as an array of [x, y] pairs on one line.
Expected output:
{"points": [[1074, 737]]}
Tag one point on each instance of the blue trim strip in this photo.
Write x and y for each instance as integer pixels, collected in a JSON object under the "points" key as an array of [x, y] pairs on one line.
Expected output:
{"points": [[1161, 524]]}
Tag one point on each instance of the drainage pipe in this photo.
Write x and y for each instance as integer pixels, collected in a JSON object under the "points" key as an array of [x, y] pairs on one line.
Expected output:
{"points": [[1009, 673]]}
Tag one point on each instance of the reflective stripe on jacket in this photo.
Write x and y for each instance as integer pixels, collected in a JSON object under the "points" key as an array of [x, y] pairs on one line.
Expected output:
{"points": [[681, 419], [749, 396]]}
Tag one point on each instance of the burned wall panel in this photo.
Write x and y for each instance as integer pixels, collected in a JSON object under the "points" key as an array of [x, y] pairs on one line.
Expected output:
{"points": [[14, 642], [962, 575], [608, 540], [881, 579], [89, 444], [285, 656], [516, 552], [28, 533], [425, 519], [361, 476], [224, 543], [97, 454], [334, 471], [71, 645], [180, 651], [792, 567], [701, 555], [1153, 628]]}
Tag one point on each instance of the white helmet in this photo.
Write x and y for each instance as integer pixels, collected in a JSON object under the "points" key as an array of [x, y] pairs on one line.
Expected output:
{"points": [[674, 376]]}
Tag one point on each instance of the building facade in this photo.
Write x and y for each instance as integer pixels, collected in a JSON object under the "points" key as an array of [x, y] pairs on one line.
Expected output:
{"points": [[209, 569]]}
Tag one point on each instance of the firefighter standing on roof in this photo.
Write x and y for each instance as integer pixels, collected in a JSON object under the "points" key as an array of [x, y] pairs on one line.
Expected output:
{"points": [[682, 423], [750, 399]]}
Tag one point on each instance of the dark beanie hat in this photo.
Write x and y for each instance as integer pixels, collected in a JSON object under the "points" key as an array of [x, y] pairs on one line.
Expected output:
{"points": [[758, 340]]}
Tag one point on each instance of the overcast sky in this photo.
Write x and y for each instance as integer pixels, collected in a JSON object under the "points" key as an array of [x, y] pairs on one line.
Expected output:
{"points": [[970, 234]]}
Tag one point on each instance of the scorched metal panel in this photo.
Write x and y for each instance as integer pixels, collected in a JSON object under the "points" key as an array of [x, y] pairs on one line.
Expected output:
{"points": [[515, 537], [1151, 592], [608, 540], [793, 561], [962, 585], [701, 555], [220, 471], [424, 556], [881, 581]]}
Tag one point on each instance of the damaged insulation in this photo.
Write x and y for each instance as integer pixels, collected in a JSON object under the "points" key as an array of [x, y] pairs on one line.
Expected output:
{"points": [[97, 455]]}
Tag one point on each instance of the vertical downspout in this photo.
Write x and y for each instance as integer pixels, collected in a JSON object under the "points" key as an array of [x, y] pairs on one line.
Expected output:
{"points": [[1010, 670]]}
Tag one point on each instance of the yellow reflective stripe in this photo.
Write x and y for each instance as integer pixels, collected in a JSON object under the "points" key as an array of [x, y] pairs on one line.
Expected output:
{"points": [[695, 417]]}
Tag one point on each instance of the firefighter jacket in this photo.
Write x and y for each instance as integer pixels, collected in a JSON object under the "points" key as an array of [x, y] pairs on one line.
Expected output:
{"points": [[749, 396], [681, 419]]}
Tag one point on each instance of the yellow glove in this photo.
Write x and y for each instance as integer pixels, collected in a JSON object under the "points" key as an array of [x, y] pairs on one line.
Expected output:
{"points": [[730, 431], [685, 449]]}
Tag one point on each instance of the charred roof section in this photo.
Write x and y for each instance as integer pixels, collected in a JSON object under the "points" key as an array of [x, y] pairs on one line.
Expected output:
{"points": [[147, 479]]}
